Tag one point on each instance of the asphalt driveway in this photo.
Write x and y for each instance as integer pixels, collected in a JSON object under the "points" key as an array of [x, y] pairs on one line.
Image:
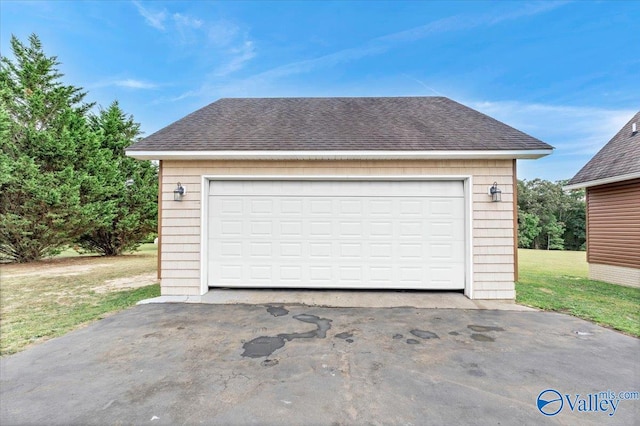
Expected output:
{"points": [[242, 364]]}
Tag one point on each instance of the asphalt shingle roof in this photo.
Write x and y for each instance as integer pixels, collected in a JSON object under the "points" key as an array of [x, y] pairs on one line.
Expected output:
{"points": [[619, 157], [337, 124]]}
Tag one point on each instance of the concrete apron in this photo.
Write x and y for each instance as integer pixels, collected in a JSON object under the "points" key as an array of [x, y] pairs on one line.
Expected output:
{"points": [[342, 299]]}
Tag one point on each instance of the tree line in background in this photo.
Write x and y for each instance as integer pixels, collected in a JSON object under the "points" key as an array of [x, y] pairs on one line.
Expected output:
{"points": [[64, 177], [549, 217]]}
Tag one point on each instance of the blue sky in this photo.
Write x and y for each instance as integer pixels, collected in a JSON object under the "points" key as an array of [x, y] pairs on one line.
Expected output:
{"points": [[565, 72]]}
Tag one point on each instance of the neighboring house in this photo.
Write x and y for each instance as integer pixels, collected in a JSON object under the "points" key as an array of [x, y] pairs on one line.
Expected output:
{"points": [[383, 193], [612, 182]]}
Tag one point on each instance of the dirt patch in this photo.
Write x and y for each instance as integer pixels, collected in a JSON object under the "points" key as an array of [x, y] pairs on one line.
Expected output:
{"points": [[56, 271], [126, 283]]}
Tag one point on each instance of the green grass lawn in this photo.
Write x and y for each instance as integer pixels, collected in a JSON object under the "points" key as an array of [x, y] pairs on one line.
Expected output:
{"points": [[49, 298], [557, 281]]}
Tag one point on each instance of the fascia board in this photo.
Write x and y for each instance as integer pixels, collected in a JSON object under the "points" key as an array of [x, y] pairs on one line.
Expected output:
{"points": [[604, 181], [338, 155]]}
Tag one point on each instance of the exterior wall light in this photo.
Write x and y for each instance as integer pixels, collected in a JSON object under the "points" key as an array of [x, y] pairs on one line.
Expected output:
{"points": [[179, 192], [495, 192]]}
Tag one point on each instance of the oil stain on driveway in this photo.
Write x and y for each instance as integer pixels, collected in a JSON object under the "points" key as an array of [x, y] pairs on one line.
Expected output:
{"points": [[242, 364]]}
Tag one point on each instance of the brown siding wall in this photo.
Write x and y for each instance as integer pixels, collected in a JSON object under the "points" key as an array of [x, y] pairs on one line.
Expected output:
{"points": [[613, 232]]}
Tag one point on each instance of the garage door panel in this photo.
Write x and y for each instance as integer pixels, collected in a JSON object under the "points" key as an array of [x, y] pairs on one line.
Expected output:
{"points": [[411, 251], [381, 251], [350, 274], [348, 207], [381, 275], [321, 250], [443, 252], [291, 229], [381, 229], [231, 273], [438, 189], [230, 206], [260, 272], [262, 207], [379, 208], [261, 249], [322, 207], [321, 234], [320, 229], [290, 207], [442, 208], [350, 229], [227, 249], [321, 274], [261, 228], [411, 230], [411, 276], [411, 208], [441, 230], [291, 249], [229, 228], [291, 273], [351, 250]]}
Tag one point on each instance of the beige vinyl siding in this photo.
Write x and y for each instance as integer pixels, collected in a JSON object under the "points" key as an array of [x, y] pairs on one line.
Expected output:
{"points": [[615, 274], [493, 233], [613, 230]]}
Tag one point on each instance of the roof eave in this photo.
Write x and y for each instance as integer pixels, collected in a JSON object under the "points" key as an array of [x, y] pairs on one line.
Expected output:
{"points": [[603, 181], [338, 155]]}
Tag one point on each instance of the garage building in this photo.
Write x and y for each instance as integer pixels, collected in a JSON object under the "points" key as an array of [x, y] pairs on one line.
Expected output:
{"points": [[353, 193]]}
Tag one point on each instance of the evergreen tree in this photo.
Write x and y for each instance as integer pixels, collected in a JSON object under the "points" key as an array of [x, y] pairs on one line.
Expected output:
{"points": [[44, 137], [123, 190]]}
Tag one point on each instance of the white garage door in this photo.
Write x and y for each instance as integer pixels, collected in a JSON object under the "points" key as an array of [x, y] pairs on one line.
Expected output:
{"points": [[336, 234]]}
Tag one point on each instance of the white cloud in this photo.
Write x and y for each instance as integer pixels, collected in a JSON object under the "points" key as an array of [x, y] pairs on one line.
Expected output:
{"points": [[222, 33], [187, 28], [239, 55], [186, 21], [232, 47], [159, 19], [529, 9], [155, 19], [423, 84], [465, 22], [307, 65], [129, 83], [573, 130], [135, 84]]}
